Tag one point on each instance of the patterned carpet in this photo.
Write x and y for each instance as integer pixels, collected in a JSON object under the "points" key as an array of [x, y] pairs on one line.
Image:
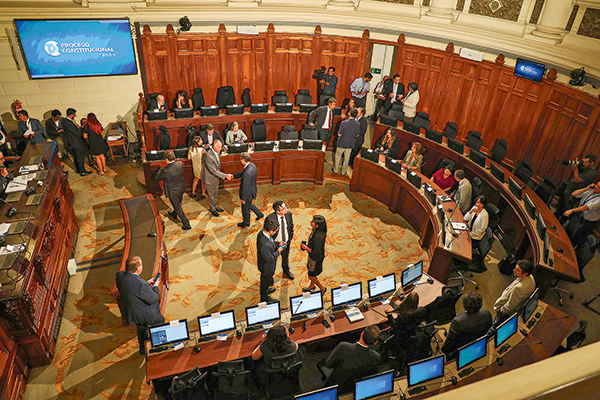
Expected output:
{"points": [[212, 267]]}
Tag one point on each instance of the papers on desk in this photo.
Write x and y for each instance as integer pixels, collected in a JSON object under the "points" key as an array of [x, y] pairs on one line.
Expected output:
{"points": [[19, 183], [443, 198], [29, 168], [4, 227], [12, 248], [113, 138], [459, 226]]}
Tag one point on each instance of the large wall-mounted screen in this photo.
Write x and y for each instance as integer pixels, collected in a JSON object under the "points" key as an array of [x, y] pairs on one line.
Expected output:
{"points": [[77, 47]]}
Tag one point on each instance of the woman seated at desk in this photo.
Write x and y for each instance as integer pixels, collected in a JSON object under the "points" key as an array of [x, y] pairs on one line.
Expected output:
{"points": [[444, 178], [388, 144], [235, 135], [182, 100], [408, 316], [414, 157], [477, 221], [276, 342]]}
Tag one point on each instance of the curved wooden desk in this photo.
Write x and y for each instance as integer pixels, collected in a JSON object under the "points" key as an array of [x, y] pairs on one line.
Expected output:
{"points": [[514, 217], [393, 190]]}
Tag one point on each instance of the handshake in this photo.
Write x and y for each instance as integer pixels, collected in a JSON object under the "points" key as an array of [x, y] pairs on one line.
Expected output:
{"points": [[229, 177]]}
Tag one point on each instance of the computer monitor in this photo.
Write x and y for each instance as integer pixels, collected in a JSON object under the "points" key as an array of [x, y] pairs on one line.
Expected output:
{"points": [[237, 148], [540, 226], [455, 145], [382, 285], [210, 111], [346, 294], [433, 135], [306, 108], [431, 195], [412, 273], [156, 115], [497, 172], [515, 188], [259, 108], [259, 314], [312, 144], [414, 179], [471, 352], [393, 164], [216, 322], [169, 332], [288, 144], [264, 146], [307, 302], [478, 158], [506, 330], [284, 107], [234, 109], [184, 113], [530, 305], [155, 155], [412, 128], [529, 206], [328, 393], [374, 385], [369, 154], [425, 370], [182, 152]]}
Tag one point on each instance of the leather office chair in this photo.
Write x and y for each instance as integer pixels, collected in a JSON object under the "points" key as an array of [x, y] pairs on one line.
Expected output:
{"points": [[475, 189], [232, 381], [283, 376], [499, 151], [303, 97], [546, 190], [451, 130], [422, 120], [280, 96], [309, 132], [288, 133], [389, 121], [494, 219], [396, 112], [198, 98], [444, 163], [474, 140], [418, 347], [585, 253], [225, 96], [190, 385], [412, 128], [259, 130], [443, 309], [524, 171], [575, 339], [384, 341]]}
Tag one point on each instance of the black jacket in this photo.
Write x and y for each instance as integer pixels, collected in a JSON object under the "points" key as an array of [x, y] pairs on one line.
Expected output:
{"points": [[139, 300], [266, 254], [172, 175], [289, 222], [248, 184]]}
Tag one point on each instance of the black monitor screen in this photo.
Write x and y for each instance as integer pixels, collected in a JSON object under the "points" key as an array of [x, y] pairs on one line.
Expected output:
{"points": [[412, 273], [369, 154], [478, 158], [328, 393], [184, 113], [382, 284], [312, 144], [506, 330], [431, 195], [375, 385], [433, 135], [393, 165], [530, 305], [284, 107], [546, 248], [346, 294], [171, 332], [156, 115], [264, 146], [497, 172], [336, 111], [263, 312], [234, 109], [306, 108], [529, 206], [540, 226], [288, 144], [306, 302], [182, 152], [237, 148], [471, 352], [425, 370], [515, 188], [456, 145], [414, 179], [412, 128], [259, 108], [210, 111], [216, 322], [155, 155]]}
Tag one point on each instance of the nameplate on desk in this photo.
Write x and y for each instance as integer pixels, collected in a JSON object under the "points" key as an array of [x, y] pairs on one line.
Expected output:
{"points": [[262, 306], [268, 325], [178, 346], [216, 315], [29, 168], [385, 302], [344, 286], [379, 278], [306, 295], [222, 337], [444, 198], [174, 323], [311, 314]]}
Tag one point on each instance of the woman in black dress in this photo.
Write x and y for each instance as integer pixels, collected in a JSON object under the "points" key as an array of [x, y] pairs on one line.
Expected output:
{"points": [[316, 252], [275, 343], [92, 131]]}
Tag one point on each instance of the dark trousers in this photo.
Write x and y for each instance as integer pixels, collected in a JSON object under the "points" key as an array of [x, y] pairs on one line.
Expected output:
{"points": [[356, 149], [325, 135], [142, 332], [579, 229], [176, 203], [246, 208], [266, 281], [380, 103], [359, 102], [387, 106], [285, 259], [79, 159]]}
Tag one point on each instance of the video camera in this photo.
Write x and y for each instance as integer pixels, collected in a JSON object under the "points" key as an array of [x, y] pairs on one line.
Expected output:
{"points": [[578, 163], [319, 74]]}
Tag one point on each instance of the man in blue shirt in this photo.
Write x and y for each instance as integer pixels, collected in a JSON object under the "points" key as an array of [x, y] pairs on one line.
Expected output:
{"points": [[359, 88], [329, 85]]}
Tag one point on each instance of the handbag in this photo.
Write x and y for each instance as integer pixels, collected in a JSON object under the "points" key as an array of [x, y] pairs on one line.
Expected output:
{"points": [[311, 264]]}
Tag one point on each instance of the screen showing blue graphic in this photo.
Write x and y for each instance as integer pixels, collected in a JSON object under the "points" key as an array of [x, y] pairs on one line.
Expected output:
{"points": [[328, 393], [471, 352], [529, 70], [68, 48], [374, 385], [506, 330], [169, 333], [425, 370]]}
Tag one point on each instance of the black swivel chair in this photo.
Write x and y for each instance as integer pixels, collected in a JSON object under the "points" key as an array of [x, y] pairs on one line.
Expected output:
{"points": [[524, 171], [499, 151], [546, 190], [288, 133], [283, 376], [190, 385], [575, 339], [396, 112], [198, 99], [309, 132], [442, 310], [475, 189], [232, 381], [280, 96], [474, 140], [422, 120], [418, 347], [451, 130], [259, 130], [387, 120], [444, 163], [303, 97]]}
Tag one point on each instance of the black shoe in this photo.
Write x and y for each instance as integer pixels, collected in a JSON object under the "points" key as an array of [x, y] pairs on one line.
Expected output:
{"points": [[259, 218], [172, 215], [289, 275], [271, 290], [84, 174], [202, 197], [142, 351], [216, 214], [243, 225], [219, 209], [324, 291], [305, 289], [186, 227], [193, 195]]}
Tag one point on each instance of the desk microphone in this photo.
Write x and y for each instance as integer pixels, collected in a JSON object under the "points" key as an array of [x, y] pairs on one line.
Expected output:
{"points": [[551, 261], [12, 211], [299, 304], [557, 231], [152, 234]]}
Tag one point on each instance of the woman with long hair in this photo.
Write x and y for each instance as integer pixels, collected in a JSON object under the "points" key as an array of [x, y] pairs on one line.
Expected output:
{"points": [[316, 252], [182, 100], [195, 154], [408, 316], [92, 131], [388, 144], [276, 342]]}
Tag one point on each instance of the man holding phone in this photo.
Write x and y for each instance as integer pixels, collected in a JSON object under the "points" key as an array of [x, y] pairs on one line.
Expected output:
{"points": [[285, 233], [139, 299], [267, 252]]}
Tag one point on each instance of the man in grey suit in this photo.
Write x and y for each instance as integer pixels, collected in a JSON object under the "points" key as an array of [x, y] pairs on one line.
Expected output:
{"points": [[248, 190], [267, 252], [139, 299], [284, 234], [172, 175], [360, 139], [462, 195], [322, 118], [349, 130], [30, 128], [213, 176]]}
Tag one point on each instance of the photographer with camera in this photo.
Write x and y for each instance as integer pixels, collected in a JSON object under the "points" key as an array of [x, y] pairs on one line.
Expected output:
{"points": [[584, 218], [328, 85], [584, 173]]}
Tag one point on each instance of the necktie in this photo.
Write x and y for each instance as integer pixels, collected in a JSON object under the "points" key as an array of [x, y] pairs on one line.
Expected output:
{"points": [[283, 235], [330, 120]]}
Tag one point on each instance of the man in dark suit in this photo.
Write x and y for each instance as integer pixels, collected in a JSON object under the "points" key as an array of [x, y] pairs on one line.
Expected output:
{"points": [[54, 131], [322, 118], [172, 175], [74, 139], [468, 326], [349, 130], [30, 128], [157, 104], [5, 175], [285, 233], [213, 176], [4, 147], [394, 92], [210, 135], [267, 252], [248, 190], [360, 138], [139, 299]]}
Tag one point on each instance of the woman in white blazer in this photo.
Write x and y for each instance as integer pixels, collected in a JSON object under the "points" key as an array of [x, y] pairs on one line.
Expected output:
{"points": [[477, 221], [410, 102]]}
